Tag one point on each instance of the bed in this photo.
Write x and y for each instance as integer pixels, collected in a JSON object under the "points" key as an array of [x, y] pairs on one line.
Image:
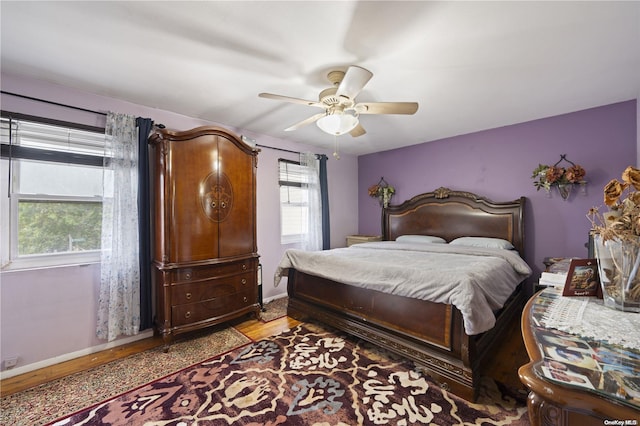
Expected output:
{"points": [[437, 335]]}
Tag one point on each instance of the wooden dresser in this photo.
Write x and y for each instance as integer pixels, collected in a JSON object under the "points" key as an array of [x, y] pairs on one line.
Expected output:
{"points": [[205, 265]]}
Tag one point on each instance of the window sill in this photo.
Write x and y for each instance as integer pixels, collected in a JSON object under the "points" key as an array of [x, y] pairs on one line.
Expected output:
{"points": [[52, 261]]}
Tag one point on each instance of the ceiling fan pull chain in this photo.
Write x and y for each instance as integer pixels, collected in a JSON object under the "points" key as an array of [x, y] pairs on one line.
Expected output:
{"points": [[335, 147]]}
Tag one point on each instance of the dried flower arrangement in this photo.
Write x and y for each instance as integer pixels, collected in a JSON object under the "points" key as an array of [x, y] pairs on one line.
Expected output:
{"points": [[383, 191], [545, 176], [617, 241], [622, 221]]}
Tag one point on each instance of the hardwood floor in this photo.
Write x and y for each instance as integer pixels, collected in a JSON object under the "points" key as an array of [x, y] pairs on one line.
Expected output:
{"points": [[503, 367], [512, 355]]}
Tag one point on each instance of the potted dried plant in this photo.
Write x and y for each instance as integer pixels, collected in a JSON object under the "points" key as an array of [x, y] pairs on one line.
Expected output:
{"points": [[617, 241]]}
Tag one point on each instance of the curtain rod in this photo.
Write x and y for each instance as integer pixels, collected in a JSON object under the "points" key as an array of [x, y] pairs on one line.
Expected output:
{"points": [[53, 103], [282, 149], [278, 149]]}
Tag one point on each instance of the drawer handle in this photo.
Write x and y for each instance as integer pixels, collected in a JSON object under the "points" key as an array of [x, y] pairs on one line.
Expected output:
{"points": [[188, 296], [187, 275], [245, 299], [244, 266], [213, 204], [223, 205], [187, 315], [243, 281]]}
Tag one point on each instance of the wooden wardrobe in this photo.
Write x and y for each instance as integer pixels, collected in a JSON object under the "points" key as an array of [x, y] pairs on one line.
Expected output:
{"points": [[205, 263]]}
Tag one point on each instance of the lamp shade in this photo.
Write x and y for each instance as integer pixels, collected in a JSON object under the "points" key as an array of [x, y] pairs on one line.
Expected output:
{"points": [[338, 124]]}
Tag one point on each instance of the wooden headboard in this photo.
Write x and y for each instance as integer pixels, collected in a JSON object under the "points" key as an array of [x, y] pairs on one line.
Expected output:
{"points": [[451, 214]]}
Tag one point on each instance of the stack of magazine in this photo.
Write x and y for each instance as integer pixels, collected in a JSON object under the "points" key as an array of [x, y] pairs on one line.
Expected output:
{"points": [[553, 279], [556, 273]]}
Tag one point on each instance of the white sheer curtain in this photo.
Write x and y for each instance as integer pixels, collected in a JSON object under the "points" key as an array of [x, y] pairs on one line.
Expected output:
{"points": [[119, 301], [313, 238]]}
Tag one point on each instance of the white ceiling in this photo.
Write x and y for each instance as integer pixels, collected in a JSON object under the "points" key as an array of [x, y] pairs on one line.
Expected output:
{"points": [[470, 65]]}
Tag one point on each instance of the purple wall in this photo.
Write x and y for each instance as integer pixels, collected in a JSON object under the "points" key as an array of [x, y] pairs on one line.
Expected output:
{"points": [[498, 163]]}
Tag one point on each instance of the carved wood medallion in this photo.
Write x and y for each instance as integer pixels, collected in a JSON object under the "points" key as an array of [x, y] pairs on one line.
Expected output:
{"points": [[216, 196]]}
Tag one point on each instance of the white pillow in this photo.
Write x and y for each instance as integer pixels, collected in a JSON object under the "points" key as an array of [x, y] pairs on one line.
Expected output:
{"points": [[483, 242], [421, 239]]}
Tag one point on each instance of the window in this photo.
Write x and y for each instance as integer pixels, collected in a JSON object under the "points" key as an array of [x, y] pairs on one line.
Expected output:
{"points": [[294, 201], [52, 202]]}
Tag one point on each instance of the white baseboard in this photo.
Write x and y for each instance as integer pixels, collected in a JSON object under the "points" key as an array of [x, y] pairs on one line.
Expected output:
{"points": [[88, 351], [73, 355], [271, 299]]}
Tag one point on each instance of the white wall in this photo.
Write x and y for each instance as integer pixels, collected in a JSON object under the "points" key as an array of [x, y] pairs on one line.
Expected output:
{"points": [[48, 315], [343, 172]]}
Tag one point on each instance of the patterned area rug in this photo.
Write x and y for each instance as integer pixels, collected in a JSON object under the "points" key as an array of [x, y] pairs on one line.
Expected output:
{"points": [[307, 376], [274, 309]]}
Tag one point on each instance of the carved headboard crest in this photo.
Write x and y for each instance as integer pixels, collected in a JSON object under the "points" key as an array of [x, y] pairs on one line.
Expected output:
{"points": [[442, 192]]}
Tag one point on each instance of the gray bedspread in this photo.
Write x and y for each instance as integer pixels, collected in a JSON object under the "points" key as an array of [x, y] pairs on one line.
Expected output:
{"points": [[475, 280]]}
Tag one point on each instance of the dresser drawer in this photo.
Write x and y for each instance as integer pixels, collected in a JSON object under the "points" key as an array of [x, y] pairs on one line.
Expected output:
{"points": [[213, 308], [198, 273], [212, 288]]}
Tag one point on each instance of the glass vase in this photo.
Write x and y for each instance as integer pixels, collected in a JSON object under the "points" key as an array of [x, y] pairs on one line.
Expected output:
{"points": [[565, 190], [619, 269]]}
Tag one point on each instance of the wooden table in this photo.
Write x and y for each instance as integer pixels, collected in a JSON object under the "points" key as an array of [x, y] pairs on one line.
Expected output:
{"points": [[569, 379]]}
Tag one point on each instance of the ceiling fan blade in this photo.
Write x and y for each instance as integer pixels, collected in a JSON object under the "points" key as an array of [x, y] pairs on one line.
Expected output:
{"points": [[386, 107], [305, 122], [358, 131], [353, 81], [290, 99]]}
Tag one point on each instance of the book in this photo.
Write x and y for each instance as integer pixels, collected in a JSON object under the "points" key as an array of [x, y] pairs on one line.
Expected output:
{"points": [[582, 278]]}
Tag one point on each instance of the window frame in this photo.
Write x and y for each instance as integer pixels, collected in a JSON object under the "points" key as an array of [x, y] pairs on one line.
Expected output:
{"points": [[10, 258], [298, 237]]}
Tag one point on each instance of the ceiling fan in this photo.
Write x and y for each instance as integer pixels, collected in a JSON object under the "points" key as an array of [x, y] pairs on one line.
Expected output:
{"points": [[341, 111]]}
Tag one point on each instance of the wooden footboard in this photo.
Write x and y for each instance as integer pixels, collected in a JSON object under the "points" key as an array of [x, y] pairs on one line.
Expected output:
{"points": [[431, 334]]}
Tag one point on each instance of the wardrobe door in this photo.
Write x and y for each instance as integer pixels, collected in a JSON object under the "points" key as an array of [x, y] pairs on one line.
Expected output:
{"points": [[193, 191], [236, 176]]}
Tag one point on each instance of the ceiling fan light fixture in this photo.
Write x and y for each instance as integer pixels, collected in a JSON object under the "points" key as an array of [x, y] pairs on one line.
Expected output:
{"points": [[338, 123], [341, 111]]}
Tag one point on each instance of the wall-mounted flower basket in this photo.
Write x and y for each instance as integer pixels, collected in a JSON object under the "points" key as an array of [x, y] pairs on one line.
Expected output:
{"points": [[563, 178], [383, 191]]}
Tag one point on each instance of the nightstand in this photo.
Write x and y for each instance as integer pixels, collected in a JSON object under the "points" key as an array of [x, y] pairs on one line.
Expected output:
{"points": [[356, 239], [557, 264]]}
